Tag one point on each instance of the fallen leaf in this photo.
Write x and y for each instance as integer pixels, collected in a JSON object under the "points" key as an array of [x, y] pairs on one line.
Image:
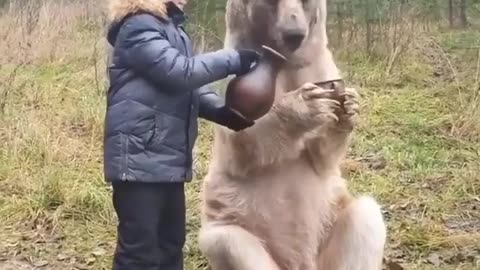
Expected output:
{"points": [[434, 259], [350, 165], [82, 267], [404, 206], [90, 260], [12, 245], [62, 257], [392, 265], [98, 252], [378, 164], [41, 263]]}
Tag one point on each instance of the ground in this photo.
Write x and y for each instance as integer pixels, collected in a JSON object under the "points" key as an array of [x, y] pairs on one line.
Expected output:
{"points": [[417, 151]]}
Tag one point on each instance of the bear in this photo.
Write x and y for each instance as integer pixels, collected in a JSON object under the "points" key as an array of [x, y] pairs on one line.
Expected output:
{"points": [[274, 197]]}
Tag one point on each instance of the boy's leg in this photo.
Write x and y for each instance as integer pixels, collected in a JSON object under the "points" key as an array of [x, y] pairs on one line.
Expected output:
{"points": [[172, 229], [146, 239]]}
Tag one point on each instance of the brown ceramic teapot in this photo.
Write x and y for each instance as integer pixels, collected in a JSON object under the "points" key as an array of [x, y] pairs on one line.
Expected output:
{"points": [[252, 95]]}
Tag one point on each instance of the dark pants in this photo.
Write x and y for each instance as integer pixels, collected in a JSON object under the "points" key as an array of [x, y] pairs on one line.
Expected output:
{"points": [[151, 229]]}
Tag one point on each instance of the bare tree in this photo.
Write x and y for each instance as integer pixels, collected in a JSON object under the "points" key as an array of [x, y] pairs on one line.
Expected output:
{"points": [[463, 13], [450, 13], [368, 25]]}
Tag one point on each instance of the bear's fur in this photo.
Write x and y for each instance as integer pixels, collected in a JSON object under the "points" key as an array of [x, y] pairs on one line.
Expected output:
{"points": [[274, 197]]}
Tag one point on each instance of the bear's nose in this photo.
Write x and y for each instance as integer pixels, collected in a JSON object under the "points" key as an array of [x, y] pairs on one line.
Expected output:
{"points": [[293, 38]]}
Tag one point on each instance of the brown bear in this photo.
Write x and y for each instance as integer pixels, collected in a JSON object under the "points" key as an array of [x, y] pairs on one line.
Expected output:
{"points": [[274, 197]]}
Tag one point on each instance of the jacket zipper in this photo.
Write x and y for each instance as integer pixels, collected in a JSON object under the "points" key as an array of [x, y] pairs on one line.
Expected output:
{"points": [[125, 158], [188, 160]]}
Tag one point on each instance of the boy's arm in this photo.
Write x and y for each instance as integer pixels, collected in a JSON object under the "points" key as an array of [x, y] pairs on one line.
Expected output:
{"points": [[212, 108], [149, 52], [209, 104]]}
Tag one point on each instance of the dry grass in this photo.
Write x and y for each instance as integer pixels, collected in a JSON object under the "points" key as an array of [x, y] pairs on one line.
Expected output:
{"points": [[49, 31], [417, 149]]}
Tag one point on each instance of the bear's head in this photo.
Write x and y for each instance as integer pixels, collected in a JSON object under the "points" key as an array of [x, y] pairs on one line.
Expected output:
{"points": [[284, 25]]}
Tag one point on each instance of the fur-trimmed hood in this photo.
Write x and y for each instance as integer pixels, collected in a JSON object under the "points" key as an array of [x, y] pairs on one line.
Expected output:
{"points": [[118, 9]]}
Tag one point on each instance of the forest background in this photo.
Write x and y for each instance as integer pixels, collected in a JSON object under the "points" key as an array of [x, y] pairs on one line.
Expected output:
{"points": [[417, 149]]}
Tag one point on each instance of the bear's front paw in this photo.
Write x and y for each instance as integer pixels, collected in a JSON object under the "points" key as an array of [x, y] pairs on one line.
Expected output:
{"points": [[348, 118]]}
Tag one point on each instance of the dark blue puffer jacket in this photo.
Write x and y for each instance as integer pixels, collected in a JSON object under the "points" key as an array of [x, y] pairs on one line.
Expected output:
{"points": [[157, 92]]}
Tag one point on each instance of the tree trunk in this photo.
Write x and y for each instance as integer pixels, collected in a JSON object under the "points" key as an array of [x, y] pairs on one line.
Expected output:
{"points": [[368, 26], [340, 23], [450, 12], [463, 13]]}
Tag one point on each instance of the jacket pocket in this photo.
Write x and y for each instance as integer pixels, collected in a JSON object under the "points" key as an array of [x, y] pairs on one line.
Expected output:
{"points": [[149, 135], [115, 156], [154, 134]]}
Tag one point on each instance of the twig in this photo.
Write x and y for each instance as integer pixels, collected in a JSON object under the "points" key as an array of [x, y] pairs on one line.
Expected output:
{"points": [[7, 86], [464, 48], [392, 57], [94, 56], [476, 89], [450, 65]]}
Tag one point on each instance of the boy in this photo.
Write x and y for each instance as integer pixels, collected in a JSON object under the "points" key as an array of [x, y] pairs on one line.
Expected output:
{"points": [[157, 91]]}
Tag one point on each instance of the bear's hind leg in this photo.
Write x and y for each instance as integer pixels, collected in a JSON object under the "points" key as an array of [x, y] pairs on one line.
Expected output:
{"points": [[357, 240], [230, 247]]}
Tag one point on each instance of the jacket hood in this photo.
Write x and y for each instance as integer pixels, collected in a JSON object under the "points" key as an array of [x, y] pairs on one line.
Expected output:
{"points": [[120, 9]]}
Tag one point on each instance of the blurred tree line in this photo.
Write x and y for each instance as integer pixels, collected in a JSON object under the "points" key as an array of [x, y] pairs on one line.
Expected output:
{"points": [[366, 22], [375, 25]]}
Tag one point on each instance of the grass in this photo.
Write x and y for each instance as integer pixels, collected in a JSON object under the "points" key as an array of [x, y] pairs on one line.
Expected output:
{"points": [[417, 150]]}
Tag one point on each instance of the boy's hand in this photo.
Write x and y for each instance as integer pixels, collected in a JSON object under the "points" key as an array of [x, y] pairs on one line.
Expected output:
{"points": [[247, 58], [233, 121]]}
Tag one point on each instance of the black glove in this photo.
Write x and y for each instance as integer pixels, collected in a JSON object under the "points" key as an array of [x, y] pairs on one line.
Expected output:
{"points": [[247, 58], [226, 117]]}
